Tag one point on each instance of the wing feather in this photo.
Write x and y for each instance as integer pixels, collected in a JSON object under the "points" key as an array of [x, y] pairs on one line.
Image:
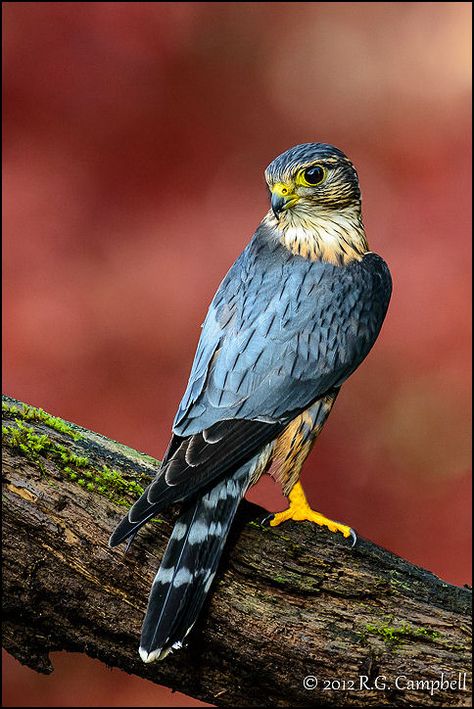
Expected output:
{"points": [[278, 353], [280, 332]]}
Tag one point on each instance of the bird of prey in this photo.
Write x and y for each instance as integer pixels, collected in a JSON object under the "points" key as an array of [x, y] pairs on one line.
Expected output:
{"points": [[293, 318]]}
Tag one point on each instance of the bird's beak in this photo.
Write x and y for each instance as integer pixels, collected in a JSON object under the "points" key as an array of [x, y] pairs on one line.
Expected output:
{"points": [[282, 198]]}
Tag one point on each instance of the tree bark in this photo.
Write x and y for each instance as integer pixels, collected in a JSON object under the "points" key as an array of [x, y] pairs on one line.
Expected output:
{"points": [[362, 625]]}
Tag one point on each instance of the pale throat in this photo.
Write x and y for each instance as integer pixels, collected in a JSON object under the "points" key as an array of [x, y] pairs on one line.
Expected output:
{"points": [[337, 237]]}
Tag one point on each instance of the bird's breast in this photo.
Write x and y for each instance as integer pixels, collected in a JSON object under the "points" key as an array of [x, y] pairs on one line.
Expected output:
{"points": [[337, 238]]}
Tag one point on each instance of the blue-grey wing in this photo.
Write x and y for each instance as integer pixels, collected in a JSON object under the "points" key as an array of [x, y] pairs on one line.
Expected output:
{"points": [[273, 343], [280, 333]]}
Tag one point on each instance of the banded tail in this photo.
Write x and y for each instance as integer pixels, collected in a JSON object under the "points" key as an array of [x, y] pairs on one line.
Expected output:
{"points": [[208, 473], [189, 565]]}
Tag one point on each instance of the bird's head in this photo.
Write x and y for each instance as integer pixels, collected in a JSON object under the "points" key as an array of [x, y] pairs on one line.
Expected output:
{"points": [[312, 176], [315, 202]]}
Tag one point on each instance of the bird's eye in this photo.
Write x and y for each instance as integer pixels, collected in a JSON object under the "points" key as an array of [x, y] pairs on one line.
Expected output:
{"points": [[312, 176]]}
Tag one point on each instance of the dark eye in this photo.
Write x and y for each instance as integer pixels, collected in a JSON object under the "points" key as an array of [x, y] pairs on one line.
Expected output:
{"points": [[313, 176]]}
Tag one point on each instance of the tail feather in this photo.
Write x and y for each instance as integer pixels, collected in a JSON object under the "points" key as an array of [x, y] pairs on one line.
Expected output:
{"points": [[189, 566]]}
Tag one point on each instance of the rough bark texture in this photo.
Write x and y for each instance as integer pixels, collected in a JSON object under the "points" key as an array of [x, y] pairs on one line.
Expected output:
{"points": [[288, 603]]}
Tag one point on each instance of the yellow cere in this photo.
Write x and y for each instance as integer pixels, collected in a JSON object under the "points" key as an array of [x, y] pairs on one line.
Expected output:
{"points": [[281, 189]]}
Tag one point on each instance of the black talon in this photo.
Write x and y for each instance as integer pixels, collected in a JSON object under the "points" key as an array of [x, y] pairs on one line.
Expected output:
{"points": [[265, 522], [354, 538]]}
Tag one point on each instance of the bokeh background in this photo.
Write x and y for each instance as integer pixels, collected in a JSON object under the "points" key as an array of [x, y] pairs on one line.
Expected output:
{"points": [[135, 138]]}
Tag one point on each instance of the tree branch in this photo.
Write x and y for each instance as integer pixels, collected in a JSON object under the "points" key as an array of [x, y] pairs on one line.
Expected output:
{"points": [[288, 603]]}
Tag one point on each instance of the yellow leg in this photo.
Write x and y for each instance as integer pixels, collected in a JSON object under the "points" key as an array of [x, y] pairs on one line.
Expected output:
{"points": [[300, 510]]}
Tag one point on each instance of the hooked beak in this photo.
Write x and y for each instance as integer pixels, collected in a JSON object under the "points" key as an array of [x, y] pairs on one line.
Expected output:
{"points": [[282, 198]]}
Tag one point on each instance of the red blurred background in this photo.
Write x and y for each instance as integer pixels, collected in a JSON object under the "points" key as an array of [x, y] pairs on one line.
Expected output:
{"points": [[135, 138]]}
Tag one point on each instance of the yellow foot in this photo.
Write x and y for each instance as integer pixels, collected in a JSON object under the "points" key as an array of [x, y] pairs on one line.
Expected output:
{"points": [[300, 510], [312, 516]]}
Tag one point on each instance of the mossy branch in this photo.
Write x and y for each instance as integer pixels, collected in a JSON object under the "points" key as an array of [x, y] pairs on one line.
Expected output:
{"points": [[366, 627]]}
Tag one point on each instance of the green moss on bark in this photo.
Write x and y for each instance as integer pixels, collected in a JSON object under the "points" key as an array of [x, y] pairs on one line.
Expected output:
{"points": [[116, 486]]}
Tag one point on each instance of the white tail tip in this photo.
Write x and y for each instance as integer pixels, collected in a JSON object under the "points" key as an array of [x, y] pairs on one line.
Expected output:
{"points": [[149, 657]]}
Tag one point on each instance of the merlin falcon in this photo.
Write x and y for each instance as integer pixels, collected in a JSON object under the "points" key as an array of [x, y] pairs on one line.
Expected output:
{"points": [[293, 318]]}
